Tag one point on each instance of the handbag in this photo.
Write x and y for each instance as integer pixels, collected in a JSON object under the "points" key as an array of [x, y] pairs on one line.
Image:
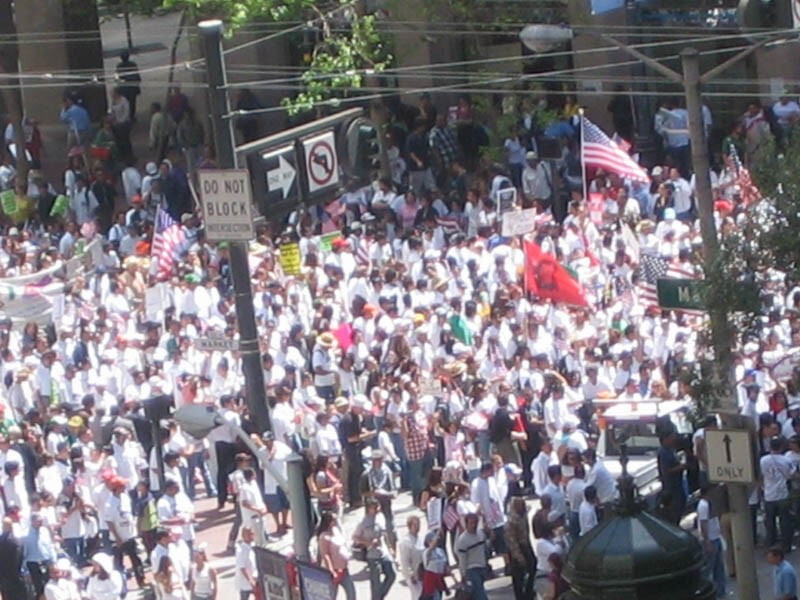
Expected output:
{"points": [[359, 552]]}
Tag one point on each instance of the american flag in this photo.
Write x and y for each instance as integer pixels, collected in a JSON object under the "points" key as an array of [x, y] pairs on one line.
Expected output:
{"points": [[168, 239], [653, 268], [620, 141], [748, 190], [598, 150], [449, 223], [363, 250]]}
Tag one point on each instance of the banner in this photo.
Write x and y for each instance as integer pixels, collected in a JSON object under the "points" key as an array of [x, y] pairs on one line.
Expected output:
{"points": [[29, 303], [316, 583], [519, 222]]}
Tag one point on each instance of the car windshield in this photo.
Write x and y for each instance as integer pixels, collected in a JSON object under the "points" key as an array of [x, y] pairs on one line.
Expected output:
{"points": [[639, 436]]}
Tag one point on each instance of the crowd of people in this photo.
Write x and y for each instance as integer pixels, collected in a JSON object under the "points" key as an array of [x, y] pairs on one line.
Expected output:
{"points": [[405, 354]]}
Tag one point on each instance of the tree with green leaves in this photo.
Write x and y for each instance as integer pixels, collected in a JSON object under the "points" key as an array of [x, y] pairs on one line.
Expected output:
{"points": [[752, 254], [348, 45]]}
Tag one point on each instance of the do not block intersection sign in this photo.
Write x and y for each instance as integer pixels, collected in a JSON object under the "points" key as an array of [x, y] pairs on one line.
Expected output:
{"points": [[227, 200]]}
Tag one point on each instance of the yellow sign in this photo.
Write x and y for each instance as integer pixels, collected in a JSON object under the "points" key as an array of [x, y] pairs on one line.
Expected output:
{"points": [[290, 259]]}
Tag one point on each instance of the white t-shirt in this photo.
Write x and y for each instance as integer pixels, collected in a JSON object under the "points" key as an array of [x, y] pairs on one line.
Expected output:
{"points": [[245, 559], [704, 514], [277, 461], [587, 517], [776, 470], [249, 493], [574, 493], [118, 511]]}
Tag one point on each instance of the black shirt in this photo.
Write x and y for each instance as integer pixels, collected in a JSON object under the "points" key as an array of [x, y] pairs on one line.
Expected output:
{"points": [[500, 426], [417, 144], [350, 426]]}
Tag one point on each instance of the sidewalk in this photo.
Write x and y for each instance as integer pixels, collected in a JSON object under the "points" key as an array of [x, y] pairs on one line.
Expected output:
{"points": [[214, 527]]}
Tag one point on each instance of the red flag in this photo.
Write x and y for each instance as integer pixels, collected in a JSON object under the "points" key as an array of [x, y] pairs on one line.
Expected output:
{"points": [[548, 279]]}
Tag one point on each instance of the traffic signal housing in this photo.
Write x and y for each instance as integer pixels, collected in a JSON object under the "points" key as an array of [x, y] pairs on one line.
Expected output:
{"points": [[365, 150], [765, 14]]}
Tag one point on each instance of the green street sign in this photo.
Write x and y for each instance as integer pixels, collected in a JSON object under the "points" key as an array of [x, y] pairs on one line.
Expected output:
{"points": [[680, 294]]}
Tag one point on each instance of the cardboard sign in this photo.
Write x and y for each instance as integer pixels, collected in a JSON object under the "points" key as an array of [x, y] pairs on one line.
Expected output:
{"points": [[519, 222], [290, 258]]}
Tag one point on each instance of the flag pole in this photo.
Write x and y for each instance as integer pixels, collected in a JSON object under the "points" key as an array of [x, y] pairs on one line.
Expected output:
{"points": [[583, 163]]}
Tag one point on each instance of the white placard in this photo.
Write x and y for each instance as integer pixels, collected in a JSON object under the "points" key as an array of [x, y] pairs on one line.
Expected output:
{"points": [[519, 222], [154, 303]]}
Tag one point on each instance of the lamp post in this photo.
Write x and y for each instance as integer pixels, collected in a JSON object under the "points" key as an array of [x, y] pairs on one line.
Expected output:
{"points": [[721, 331]]}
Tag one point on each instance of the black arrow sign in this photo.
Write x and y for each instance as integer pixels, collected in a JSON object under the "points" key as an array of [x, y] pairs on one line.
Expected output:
{"points": [[727, 441]]}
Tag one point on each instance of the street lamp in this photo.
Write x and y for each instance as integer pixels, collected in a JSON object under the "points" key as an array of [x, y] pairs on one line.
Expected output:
{"points": [[721, 332]]}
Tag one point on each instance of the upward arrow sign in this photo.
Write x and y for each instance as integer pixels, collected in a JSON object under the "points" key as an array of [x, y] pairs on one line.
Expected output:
{"points": [[282, 177], [727, 441]]}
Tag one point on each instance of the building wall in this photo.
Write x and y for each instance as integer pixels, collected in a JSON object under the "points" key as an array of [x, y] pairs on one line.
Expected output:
{"points": [[41, 16]]}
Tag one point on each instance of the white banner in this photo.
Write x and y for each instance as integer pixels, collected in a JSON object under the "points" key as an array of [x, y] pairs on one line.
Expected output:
{"points": [[23, 303], [519, 222], [796, 13]]}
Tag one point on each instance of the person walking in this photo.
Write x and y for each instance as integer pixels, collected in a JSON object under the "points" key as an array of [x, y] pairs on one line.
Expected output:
{"points": [[776, 471], [334, 554], [246, 578], [708, 527], [409, 556], [471, 555], [372, 534], [784, 575], [203, 576], [130, 88], [118, 516], [520, 551]]}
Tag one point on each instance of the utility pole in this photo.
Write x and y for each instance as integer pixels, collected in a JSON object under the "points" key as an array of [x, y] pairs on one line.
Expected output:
{"points": [[219, 108], [721, 332]]}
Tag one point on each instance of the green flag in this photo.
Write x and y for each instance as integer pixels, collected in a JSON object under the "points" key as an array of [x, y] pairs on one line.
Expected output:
{"points": [[60, 206], [458, 325], [8, 200]]}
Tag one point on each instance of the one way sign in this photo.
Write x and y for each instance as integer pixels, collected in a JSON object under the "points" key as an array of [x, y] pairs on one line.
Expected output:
{"points": [[281, 171], [730, 456]]}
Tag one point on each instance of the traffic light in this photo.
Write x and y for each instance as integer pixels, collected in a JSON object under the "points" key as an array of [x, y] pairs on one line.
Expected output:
{"points": [[364, 149]]}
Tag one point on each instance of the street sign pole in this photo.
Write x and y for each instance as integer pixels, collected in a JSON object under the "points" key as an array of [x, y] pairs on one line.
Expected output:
{"points": [[240, 270], [245, 313]]}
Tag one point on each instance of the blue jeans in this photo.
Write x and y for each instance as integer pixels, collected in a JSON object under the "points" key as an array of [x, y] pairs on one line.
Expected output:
{"points": [[716, 567], [484, 446], [417, 472], [780, 509], [475, 579], [400, 448], [380, 567], [574, 526], [196, 461], [348, 586], [76, 550]]}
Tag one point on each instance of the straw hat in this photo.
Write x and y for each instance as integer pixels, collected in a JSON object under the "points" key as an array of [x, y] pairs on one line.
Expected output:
{"points": [[326, 340]]}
